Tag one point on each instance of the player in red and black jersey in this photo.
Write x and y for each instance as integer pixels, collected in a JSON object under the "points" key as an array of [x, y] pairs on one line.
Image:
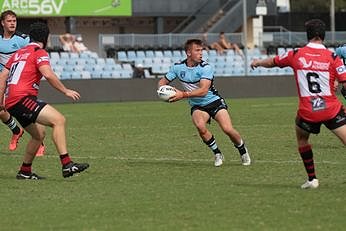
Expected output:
{"points": [[316, 69], [23, 73]]}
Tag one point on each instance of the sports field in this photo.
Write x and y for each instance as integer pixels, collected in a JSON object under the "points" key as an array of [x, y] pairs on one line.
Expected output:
{"points": [[149, 170]]}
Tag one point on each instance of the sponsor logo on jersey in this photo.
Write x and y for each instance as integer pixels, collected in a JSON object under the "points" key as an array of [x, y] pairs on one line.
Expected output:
{"points": [[182, 74], [341, 69], [42, 59], [320, 65], [305, 64]]}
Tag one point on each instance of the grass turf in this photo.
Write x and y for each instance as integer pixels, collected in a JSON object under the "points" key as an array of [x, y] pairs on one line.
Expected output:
{"points": [[150, 171]]}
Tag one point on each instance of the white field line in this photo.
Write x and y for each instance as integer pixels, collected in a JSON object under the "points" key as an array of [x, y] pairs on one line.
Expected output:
{"points": [[166, 159], [201, 160]]}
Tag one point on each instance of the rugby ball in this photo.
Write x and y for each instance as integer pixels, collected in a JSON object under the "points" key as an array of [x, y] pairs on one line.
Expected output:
{"points": [[165, 92]]}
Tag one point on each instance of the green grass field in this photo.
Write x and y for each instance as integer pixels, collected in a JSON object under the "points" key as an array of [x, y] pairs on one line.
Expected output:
{"points": [[150, 171]]}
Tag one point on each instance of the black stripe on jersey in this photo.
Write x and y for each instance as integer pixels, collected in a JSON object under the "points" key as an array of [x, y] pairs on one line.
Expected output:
{"points": [[22, 35], [295, 51], [7, 53], [203, 63], [334, 55], [181, 62]]}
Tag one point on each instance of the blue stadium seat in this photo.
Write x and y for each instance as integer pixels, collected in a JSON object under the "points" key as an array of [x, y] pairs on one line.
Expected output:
{"points": [[76, 75], [167, 53], [122, 56], [131, 56], [86, 75], [149, 54], [66, 75], [64, 55], [54, 55], [110, 61], [140, 54]]}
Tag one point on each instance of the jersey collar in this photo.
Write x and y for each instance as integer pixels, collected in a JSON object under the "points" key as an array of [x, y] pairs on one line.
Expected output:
{"points": [[316, 45]]}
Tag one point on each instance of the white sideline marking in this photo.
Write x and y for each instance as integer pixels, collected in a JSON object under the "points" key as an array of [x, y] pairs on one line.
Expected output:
{"points": [[204, 160], [184, 160]]}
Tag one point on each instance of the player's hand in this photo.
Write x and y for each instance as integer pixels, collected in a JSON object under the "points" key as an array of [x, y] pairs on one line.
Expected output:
{"points": [[72, 94], [2, 107], [178, 96], [343, 92], [254, 64]]}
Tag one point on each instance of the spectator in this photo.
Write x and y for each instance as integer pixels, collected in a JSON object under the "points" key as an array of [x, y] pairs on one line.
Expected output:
{"points": [[138, 71], [213, 46], [79, 45], [67, 41], [225, 44]]}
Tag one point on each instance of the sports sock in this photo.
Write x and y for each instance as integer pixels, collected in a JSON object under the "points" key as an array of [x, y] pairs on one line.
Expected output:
{"points": [[241, 147], [26, 168], [65, 159], [308, 160], [212, 145], [11, 123]]}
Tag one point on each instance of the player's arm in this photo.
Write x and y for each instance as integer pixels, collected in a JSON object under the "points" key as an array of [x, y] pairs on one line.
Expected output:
{"points": [[343, 89], [3, 79], [268, 62], [204, 86], [163, 81], [53, 80]]}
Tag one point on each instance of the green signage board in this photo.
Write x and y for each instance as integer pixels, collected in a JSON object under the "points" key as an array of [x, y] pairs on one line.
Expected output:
{"points": [[49, 8]]}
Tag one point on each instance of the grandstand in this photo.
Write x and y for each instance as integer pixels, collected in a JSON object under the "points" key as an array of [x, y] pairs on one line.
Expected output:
{"points": [[152, 33]]}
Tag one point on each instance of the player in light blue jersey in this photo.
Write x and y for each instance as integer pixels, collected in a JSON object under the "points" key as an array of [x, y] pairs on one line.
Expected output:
{"points": [[10, 42], [196, 77]]}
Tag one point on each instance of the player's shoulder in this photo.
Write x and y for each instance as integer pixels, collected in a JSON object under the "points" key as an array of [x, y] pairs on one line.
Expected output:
{"points": [[204, 63], [20, 35], [182, 62]]}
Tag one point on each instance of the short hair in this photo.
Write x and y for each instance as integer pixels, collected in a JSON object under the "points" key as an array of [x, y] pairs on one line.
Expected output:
{"points": [[6, 13], [190, 42], [315, 28], [39, 32]]}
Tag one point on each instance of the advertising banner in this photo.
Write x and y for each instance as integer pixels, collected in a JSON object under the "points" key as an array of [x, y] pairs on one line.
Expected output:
{"points": [[51, 8]]}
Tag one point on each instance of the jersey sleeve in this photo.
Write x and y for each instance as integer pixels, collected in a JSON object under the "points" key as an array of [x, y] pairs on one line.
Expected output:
{"points": [[9, 63], [283, 60], [340, 70], [207, 72], [42, 58], [171, 74]]}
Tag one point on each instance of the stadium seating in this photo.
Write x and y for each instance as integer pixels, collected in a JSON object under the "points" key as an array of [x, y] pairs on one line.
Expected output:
{"points": [[227, 65], [89, 65]]}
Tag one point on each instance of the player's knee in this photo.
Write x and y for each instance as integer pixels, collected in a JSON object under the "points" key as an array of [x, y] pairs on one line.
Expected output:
{"points": [[60, 120], [202, 130]]}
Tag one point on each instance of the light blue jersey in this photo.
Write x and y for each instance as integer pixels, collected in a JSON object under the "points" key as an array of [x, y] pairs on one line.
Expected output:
{"points": [[11, 45], [190, 78]]}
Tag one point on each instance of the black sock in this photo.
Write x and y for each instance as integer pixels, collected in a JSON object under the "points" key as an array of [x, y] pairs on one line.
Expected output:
{"points": [[212, 145], [308, 160], [241, 148], [11, 123]]}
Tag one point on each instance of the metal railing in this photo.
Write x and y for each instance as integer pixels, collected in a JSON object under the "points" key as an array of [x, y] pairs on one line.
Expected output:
{"points": [[171, 40]]}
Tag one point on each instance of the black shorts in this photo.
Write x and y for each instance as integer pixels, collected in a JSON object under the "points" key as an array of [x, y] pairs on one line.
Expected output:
{"points": [[211, 108], [336, 122], [27, 110]]}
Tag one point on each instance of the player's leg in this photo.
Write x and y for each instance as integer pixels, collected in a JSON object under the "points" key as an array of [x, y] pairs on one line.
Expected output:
{"points": [[17, 132], [340, 132], [200, 119], [49, 116], [37, 134], [305, 151], [224, 120], [337, 125]]}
